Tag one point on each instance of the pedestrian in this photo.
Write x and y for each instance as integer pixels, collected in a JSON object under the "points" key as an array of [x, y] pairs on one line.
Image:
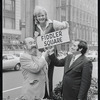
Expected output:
{"points": [[77, 71], [34, 71], [43, 25]]}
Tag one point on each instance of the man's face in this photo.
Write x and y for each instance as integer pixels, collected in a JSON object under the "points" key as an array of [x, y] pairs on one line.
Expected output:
{"points": [[31, 45], [74, 47]]}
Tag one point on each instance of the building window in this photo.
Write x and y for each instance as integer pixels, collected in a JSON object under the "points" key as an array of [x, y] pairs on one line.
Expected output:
{"points": [[9, 14], [9, 5], [63, 18], [57, 3], [61, 10], [63, 2], [3, 3], [3, 22], [9, 23], [58, 14]]}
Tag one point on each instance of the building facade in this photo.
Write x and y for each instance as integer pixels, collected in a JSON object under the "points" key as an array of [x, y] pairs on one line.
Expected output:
{"points": [[82, 18], [80, 14], [11, 16]]}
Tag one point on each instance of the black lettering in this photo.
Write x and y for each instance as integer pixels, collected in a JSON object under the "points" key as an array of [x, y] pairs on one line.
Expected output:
{"points": [[47, 37], [55, 41], [52, 41], [60, 39], [57, 35], [54, 35], [48, 42], [45, 43], [42, 38], [50, 36], [60, 33]]}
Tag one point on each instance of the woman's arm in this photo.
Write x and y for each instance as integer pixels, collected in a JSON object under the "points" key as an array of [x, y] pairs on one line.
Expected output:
{"points": [[57, 25]]}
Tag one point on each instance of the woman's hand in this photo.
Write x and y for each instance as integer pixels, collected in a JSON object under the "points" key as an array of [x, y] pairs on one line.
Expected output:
{"points": [[60, 25], [36, 34], [66, 25]]}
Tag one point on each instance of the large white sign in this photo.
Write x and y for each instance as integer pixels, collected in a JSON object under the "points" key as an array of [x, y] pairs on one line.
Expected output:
{"points": [[54, 38]]}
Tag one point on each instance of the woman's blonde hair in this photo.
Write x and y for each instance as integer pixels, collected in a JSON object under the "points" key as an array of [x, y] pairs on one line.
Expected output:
{"points": [[39, 10]]}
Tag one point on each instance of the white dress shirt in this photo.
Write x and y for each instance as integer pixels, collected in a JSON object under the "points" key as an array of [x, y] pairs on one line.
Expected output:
{"points": [[74, 58], [77, 56]]}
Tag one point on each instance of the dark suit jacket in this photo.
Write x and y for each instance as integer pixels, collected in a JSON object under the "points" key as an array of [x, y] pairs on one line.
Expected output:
{"points": [[77, 77]]}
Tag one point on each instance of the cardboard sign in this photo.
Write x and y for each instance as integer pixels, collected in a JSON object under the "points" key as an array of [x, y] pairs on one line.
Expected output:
{"points": [[54, 38]]}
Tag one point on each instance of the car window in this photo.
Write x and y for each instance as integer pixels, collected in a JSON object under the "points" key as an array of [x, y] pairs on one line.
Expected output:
{"points": [[18, 55], [4, 57], [10, 57]]}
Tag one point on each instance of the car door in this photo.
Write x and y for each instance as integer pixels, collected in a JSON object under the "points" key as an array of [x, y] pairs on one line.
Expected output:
{"points": [[9, 62], [5, 60]]}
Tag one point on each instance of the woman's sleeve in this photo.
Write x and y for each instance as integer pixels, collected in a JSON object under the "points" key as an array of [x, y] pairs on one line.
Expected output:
{"points": [[57, 25]]}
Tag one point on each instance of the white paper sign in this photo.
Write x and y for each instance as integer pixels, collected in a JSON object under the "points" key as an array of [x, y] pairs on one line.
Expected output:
{"points": [[54, 38]]}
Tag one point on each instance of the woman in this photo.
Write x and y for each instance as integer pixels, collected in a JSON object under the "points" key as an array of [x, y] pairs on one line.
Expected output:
{"points": [[43, 25]]}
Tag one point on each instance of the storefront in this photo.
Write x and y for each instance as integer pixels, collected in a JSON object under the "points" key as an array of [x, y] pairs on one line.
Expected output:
{"points": [[12, 43]]}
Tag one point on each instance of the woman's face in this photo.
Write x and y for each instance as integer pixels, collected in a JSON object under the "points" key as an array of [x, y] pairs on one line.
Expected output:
{"points": [[41, 17]]}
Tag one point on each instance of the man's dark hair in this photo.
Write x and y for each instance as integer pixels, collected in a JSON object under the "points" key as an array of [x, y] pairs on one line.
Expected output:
{"points": [[82, 45]]}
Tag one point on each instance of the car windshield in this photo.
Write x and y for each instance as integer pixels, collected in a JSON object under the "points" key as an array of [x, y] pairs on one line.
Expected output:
{"points": [[17, 55], [89, 53]]}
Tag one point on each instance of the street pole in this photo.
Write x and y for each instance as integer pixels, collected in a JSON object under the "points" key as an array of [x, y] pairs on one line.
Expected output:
{"points": [[25, 18], [69, 2], [33, 25]]}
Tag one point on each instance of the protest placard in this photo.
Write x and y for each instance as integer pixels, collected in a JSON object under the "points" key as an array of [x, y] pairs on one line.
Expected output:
{"points": [[54, 38]]}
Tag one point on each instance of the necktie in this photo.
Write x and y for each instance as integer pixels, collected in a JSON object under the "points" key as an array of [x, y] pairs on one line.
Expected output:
{"points": [[72, 60]]}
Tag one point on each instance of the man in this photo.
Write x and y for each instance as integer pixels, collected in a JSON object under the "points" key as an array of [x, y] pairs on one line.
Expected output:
{"points": [[77, 74], [34, 70]]}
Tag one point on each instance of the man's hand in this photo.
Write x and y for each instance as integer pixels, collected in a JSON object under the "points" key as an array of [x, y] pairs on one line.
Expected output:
{"points": [[45, 54], [51, 50]]}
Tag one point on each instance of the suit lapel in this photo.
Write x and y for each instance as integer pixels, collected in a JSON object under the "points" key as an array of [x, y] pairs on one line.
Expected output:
{"points": [[75, 64], [67, 63]]}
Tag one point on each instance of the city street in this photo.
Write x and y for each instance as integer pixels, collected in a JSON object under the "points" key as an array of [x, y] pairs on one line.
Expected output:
{"points": [[12, 81], [57, 26]]}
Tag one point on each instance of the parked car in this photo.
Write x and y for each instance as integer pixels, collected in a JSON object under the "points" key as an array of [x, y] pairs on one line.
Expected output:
{"points": [[17, 54], [11, 62], [93, 56]]}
